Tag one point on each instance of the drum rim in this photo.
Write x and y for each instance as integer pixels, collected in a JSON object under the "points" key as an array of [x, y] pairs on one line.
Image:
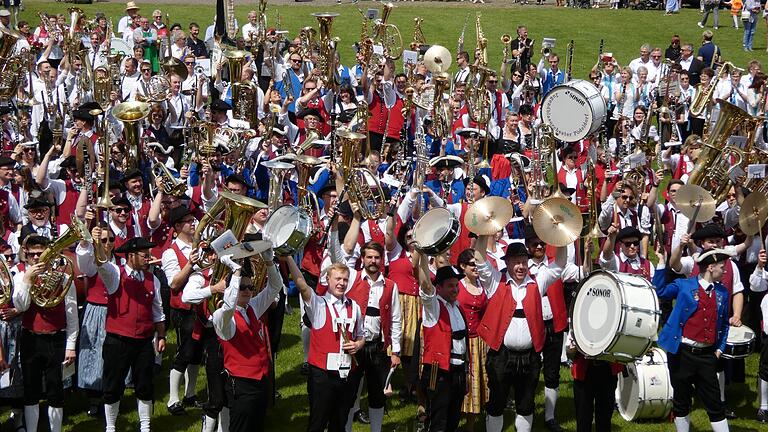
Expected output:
{"points": [[436, 247], [617, 325]]}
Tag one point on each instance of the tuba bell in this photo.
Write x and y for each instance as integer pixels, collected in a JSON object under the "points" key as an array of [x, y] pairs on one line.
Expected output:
{"points": [[11, 66], [51, 286], [131, 114], [327, 62]]}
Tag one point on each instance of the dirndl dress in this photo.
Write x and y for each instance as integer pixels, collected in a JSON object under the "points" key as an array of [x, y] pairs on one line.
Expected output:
{"points": [[10, 335], [473, 307], [92, 333]]}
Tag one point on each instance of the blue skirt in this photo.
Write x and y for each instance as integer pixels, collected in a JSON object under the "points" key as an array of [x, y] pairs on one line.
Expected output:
{"points": [[92, 332], [10, 335]]}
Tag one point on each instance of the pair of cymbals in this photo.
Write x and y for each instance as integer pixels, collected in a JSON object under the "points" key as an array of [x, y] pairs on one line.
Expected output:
{"points": [[754, 213], [695, 203]]}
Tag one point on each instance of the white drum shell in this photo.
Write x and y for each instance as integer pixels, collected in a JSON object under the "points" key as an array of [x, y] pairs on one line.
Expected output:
{"points": [[288, 228], [615, 316], [646, 390], [574, 110]]}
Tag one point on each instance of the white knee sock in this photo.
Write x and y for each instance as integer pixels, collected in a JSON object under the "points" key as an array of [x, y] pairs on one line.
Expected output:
{"points": [[523, 423], [145, 414], [305, 342], [18, 417], [174, 381], [376, 415], [224, 420], [55, 418], [31, 415], [209, 424], [721, 426], [721, 381], [190, 388], [763, 394], [110, 415], [494, 423], [550, 400], [352, 411], [683, 424]]}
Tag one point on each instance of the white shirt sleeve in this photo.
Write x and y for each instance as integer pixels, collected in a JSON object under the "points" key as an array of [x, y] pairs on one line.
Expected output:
{"points": [[430, 307], [170, 264], [157, 303], [110, 275], [85, 259], [224, 317], [489, 277], [21, 298], [397, 321], [70, 307], [195, 291]]}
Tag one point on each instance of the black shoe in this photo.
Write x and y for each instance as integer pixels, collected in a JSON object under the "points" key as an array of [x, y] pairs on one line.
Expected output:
{"points": [[305, 369], [552, 426], [362, 417], [762, 416], [177, 409], [95, 411], [729, 414], [190, 402]]}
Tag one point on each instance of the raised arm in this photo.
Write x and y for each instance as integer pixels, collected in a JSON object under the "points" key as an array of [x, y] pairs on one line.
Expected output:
{"points": [[304, 289]]}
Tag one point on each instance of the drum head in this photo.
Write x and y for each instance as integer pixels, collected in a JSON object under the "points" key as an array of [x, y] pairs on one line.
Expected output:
{"points": [[571, 110], [432, 227], [120, 45], [281, 225], [596, 313], [645, 390], [742, 334]]}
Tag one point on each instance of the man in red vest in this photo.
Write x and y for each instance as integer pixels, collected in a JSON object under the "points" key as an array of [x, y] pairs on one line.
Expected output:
{"points": [[383, 329], [628, 260], [48, 338], [513, 327], [444, 373], [242, 331], [140, 203], [178, 261], [134, 319], [694, 337], [336, 335]]}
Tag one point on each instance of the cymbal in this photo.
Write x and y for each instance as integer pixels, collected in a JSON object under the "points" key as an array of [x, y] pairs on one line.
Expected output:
{"points": [[754, 212], [438, 59], [557, 221], [488, 215], [689, 197]]}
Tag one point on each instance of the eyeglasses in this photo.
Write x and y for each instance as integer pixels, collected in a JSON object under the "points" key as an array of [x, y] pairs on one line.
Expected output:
{"points": [[656, 56], [535, 244], [33, 254], [296, 60], [143, 255], [471, 264], [631, 243], [247, 287], [29, 150], [111, 240], [38, 210], [517, 75], [121, 210], [146, 70], [571, 156], [731, 195], [309, 88]]}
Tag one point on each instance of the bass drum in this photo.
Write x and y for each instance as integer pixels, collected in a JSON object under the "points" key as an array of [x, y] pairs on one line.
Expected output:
{"points": [[644, 389], [615, 316], [436, 231], [289, 229], [574, 110], [119, 45]]}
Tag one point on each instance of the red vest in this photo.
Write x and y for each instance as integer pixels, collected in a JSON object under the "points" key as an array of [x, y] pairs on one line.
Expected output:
{"points": [[401, 272], [701, 326], [45, 320], [313, 255], [463, 242], [644, 270], [176, 302], [67, 207], [5, 214], [438, 341], [247, 354], [669, 220], [581, 191], [131, 233], [360, 292], [556, 297], [97, 291], [379, 114], [727, 279], [324, 340], [143, 214], [682, 168], [499, 313], [129, 310], [472, 307], [163, 238]]}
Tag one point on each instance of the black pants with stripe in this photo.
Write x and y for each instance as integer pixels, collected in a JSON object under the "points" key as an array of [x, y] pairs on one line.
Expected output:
{"points": [[373, 363], [445, 400], [42, 356], [518, 370], [328, 400]]}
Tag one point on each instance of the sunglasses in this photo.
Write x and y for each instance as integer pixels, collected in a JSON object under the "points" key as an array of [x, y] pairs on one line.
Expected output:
{"points": [[517, 75], [627, 197], [535, 244], [121, 210], [33, 254], [146, 70], [9, 256], [631, 243], [296, 60], [471, 264], [492, 82], [38, 210]]}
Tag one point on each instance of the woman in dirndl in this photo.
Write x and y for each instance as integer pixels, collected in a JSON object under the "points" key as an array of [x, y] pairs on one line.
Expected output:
{"points": [[472, 301], [10, 334], [90, 363]]}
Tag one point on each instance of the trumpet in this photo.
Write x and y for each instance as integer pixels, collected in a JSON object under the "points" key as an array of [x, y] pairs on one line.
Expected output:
{"points": [[171, 185]]}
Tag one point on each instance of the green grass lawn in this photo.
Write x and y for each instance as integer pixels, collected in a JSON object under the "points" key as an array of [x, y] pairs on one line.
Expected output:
{"points": [[623, 31]]}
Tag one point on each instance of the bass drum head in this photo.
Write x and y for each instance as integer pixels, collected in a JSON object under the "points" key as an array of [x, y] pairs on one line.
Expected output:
{"points": [[644, 389], [121, 45], [574, 110], [597, 313], [433, 227], [281, 225]]}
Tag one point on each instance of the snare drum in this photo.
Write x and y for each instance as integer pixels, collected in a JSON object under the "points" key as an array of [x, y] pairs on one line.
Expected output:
{"points": [[644, 390], [289, 229], [741, 342], [574, 110], [436, 231], [615, 316]]}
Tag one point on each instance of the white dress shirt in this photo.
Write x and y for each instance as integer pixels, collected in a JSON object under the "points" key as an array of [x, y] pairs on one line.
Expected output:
{"points": [[110, 275], [224, 317], [373, 323], [22, 301]]}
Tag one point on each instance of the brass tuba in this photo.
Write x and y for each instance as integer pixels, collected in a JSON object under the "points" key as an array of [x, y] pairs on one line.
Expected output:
{"points": [[51, 286], [362, 186], [238, 211], [718, 158], [388, 35], [131, 114], [327, 62], [418, 34], [242, 101], [6, 283], [11, 66]]}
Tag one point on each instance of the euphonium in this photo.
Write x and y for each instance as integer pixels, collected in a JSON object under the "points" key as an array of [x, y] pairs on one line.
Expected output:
{"points": [[703, 97], [131, 114], [51, 285], [238, 211], [327, 61], [6, 283], [362, 186], [158, 90], [171, 185], [716, 158]]}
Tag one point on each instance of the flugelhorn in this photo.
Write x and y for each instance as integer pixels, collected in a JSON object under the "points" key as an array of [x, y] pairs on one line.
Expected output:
{"points": [[171, 185]]}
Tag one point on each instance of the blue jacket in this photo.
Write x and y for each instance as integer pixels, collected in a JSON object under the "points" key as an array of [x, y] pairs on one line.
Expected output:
{"points": [[684, 291]]}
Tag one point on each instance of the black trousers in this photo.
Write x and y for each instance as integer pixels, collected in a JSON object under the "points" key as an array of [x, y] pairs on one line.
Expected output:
{"points": [[553, 350], [595, 395], [373, 363], [247, 403], [444, 402], [697, 125], [695, 370], [188, 350], [214, 373], [41, 358], [122, 354], [328, 400], [518, 370]]}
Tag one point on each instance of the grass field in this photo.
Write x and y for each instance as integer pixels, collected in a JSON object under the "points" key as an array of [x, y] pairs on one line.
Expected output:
{"points": [[623, 31]]}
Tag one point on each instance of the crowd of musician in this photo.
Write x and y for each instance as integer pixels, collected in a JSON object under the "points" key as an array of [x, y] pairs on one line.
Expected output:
{"points": [[434, 224]]}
